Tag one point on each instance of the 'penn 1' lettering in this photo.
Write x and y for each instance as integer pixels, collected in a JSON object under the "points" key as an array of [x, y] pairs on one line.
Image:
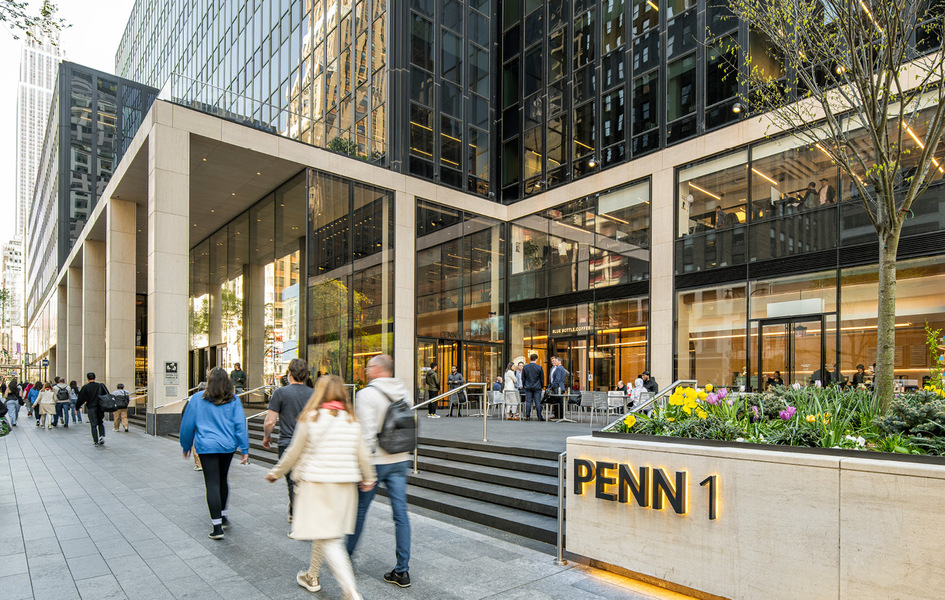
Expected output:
{"points": [[649, 487]]}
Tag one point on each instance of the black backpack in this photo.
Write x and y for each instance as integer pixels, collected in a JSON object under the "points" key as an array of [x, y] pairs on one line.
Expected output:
{"points": [[399, 432], [62, 394]]}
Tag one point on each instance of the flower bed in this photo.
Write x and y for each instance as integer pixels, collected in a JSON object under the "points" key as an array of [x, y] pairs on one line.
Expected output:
{"points": [[800, 416]]}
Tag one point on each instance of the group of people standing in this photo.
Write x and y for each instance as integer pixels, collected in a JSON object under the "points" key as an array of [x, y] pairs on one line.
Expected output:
{"points": [[329, 454], [55, 402]]}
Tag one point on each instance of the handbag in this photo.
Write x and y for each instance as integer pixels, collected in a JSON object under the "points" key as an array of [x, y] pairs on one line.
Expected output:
{"points": [[109, 403]]}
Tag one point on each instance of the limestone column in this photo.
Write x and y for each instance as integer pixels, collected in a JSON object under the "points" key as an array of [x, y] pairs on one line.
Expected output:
{"points": [[405, 291], [168, 281], [662, 282], [254, 326], [61, 366], [73, 368], [93, 308], [120, 326]]}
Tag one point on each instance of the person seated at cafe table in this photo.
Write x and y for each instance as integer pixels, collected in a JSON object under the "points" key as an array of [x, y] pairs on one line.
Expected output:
{"points": [[859, 378], [621, 386], [774, 379]]}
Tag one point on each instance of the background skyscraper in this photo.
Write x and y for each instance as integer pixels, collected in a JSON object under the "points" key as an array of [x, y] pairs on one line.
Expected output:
{"points": [[39, 62]]}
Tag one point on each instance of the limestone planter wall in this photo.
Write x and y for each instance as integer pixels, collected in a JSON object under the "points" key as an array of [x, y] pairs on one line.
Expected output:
{"points": [[789, 525]]}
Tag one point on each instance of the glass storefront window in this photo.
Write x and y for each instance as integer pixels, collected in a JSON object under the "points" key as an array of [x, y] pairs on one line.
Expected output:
{"points": [[919, 301], [528, 334], [620, 341], [791, 296], [710, 335]]}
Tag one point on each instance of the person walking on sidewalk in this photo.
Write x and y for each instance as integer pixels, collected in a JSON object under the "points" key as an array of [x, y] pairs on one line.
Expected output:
{"points": [[214, 423], [31, 393], [45, 404], [330, 462], [88, 397], [285, 406], [73, 396], [431, 383], [121, 414], [11, 398], [372, 403], [61, 392]]}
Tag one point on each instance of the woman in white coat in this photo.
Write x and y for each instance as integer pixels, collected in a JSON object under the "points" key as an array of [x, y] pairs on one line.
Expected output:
{"points": [[329, 461], [510, 392]]}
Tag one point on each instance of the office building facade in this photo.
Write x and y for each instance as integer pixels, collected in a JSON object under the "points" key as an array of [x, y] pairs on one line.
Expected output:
{"points": [[623, 216], [92, 118]]}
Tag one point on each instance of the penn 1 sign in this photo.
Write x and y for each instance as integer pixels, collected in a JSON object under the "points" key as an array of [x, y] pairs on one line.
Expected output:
{"points": [[648, 487]]}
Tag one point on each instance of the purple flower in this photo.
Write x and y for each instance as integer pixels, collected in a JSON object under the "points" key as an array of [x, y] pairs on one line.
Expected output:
{"points": [[754, 409], [712, 399], [731, 402], [721, 393], [787, 413]]}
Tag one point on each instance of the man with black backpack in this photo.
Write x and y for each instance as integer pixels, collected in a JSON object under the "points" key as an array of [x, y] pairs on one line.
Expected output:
{"points": [[62, 395], [88, 396], [387, 423]]}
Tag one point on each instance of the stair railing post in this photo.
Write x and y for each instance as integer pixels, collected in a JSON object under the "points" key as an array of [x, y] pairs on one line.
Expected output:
{"points": [[559, 555], [416, 443], [485, 412]]}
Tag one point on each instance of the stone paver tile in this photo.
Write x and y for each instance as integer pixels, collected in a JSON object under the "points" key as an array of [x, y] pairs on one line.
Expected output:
{"points": [[86, 567], [16, 587], [102, 587], [15, 564], [79, 547]]}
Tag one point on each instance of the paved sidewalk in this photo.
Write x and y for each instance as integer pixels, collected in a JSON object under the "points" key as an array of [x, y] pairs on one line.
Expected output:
{"points": [[129, 520]]}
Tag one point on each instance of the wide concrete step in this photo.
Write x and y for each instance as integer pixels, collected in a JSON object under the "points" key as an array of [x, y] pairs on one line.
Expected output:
{"points": [[533, 502], [526, 524], [516, 479], [537, 466], [493, 448]]}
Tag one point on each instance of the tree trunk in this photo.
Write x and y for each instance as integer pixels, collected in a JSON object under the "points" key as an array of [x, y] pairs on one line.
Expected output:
{"points": [[886, 320]]}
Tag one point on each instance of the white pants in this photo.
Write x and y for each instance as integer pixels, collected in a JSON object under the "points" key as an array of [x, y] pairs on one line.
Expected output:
{"points": [[512, 400], [334, 553]]}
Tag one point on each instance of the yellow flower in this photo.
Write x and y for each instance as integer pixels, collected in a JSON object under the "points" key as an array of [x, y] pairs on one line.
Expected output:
{"points": [[689, 393], [670, 419], [811, 418], [676, 400], [629, 421], [688, 409], [702, 395], [701, 413], [708, 387]]}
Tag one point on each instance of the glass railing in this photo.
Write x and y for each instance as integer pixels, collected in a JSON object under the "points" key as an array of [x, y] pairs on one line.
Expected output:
{"points": [[265, 116]]}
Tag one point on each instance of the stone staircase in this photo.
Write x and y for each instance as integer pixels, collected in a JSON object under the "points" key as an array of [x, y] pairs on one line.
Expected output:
{"points": [[512, 489]]}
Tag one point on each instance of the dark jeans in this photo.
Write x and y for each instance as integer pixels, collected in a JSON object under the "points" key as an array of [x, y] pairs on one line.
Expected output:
{"points": [[394, 478], [215, 470], [96, 423], [288, 482], [62, 412], [431, 407], [532, 397]]}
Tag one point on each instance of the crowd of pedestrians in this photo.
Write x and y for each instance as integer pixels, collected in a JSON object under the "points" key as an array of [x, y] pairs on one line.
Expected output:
{"points": [[56, 404], [332, 455]]}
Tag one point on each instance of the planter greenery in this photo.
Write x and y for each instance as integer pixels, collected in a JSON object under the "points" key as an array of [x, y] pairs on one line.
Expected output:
{"points": [[800, 416]]}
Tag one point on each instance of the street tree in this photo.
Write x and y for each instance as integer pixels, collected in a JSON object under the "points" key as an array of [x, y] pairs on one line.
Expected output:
{"points": [[20, 20], [862, 80]]}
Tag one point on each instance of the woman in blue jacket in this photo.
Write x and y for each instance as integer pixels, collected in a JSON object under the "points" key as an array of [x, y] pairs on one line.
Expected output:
{"points": [[214, 424]]}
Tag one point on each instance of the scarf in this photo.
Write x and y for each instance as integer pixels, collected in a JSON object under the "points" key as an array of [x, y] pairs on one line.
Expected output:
{"points": [[333, 405]]}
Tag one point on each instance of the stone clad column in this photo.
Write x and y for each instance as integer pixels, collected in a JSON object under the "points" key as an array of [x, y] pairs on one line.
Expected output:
{"points": [[405, 291], [120, 300], [93, 308], [662, 296], [254, 324], [168, 272], [73, 368], [61, 365]]}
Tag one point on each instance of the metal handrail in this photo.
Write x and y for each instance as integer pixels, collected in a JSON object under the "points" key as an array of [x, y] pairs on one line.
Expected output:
{"points": [[649, 402], [416, 431], [559, 555], [262, 387], [259, 414]]}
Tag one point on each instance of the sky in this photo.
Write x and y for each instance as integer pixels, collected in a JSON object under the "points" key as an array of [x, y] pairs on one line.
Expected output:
{"points": [[92, 40]]}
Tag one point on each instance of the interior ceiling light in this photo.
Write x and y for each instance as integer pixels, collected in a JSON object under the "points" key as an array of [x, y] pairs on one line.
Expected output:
{"points": [[592, 162], [737, 108]]}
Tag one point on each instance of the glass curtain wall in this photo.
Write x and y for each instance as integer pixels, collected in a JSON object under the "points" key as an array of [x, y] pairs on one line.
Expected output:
{"points": [[593, 242], [785, 197], [350, 275], [450, 82], [245, 289], [461, 267]]}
